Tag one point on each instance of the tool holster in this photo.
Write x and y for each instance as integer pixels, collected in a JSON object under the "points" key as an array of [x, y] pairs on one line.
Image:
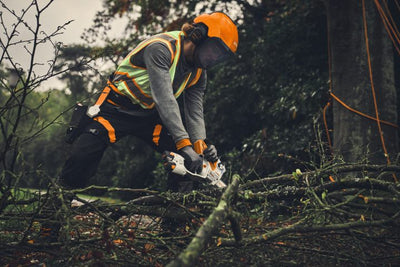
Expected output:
{"points": [[78, 122], [82, 115]]}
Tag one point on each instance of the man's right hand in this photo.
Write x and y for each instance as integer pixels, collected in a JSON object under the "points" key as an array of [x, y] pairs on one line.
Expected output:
{"points": [[193, 161]]}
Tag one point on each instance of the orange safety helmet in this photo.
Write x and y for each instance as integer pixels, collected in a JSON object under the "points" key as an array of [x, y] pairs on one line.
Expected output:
{"points": [[219, 39], [221, 26]]}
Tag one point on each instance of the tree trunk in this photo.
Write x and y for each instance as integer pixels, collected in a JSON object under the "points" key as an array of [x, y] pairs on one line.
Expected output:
{"points": [[355, 137]]}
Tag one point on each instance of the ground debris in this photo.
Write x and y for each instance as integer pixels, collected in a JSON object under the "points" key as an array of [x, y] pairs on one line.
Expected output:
{"points": [[318, 219]]}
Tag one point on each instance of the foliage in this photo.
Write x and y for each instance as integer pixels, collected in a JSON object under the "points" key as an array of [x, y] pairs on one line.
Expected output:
{"points": [[271, 105], [45, 154]]}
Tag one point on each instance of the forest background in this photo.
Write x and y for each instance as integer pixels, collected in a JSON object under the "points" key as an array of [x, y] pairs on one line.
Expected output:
{"points": [[270, 110]]}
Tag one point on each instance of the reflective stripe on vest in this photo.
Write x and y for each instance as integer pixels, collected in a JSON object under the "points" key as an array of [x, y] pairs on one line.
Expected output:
{"points": [[133, 81], [196, 78]]}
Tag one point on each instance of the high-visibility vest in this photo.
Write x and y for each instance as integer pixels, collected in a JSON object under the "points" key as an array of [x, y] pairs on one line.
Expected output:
{"points": [[133, 81]]}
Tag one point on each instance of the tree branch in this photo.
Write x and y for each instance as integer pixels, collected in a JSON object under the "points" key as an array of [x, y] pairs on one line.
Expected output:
{"points": [[189, 256]]}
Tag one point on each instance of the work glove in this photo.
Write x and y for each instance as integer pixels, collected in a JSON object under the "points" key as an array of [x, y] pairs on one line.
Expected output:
{"points": [[210, 153], [193, 161]]}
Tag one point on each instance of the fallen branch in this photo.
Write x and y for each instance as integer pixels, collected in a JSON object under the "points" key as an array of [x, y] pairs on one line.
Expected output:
{"points": [[332, 170], [106, 189], [189, 256], [293, 192], [299, 228]]}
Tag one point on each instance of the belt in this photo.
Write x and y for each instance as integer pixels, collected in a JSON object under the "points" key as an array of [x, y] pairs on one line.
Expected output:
{"points": [[124, 105]]}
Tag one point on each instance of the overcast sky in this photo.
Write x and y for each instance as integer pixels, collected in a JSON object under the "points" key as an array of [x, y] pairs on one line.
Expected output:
{"points": [[60, 11]]}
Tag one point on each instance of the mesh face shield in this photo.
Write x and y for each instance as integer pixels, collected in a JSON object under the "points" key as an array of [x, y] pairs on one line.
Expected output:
{"points": [[211, 52]]}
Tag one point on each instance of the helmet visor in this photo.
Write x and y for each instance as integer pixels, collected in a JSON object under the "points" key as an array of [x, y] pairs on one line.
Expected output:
{"points": [[211, 52]]}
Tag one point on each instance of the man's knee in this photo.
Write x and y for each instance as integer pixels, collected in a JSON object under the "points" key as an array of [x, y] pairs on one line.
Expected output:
{"points": [[84, 159]]}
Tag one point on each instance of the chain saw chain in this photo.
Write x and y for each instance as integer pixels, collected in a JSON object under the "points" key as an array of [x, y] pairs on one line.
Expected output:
{"points": [[211, 172]]}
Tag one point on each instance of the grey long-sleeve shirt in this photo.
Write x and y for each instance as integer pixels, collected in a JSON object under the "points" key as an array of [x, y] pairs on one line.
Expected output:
{"points": [[157, 59]]}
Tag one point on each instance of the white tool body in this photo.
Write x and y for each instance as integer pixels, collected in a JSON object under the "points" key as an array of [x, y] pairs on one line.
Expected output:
{"points": [[211, 172]]}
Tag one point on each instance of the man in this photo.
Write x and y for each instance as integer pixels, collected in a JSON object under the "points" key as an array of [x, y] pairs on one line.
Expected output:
{"points": [[142, 96]]}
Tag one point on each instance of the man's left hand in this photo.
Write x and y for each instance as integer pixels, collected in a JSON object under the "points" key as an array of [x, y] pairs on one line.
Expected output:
{"points": [[210, 154]]}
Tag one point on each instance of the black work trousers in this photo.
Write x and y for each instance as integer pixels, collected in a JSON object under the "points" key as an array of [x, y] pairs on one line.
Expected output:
{"points": [[109, 126]]}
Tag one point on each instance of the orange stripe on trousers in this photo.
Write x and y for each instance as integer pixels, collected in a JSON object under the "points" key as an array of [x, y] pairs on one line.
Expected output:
{"points": [[109, 128]]}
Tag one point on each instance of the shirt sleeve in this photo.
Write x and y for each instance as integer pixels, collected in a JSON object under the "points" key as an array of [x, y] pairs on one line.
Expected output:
{"points": [[157, 59], [193, 103]]}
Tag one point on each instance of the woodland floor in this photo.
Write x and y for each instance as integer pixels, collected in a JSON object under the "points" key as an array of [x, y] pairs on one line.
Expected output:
{"points": [[291, 220]]}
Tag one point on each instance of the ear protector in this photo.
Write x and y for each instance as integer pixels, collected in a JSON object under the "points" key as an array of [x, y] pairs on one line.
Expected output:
{"points": [[198, 34]]}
